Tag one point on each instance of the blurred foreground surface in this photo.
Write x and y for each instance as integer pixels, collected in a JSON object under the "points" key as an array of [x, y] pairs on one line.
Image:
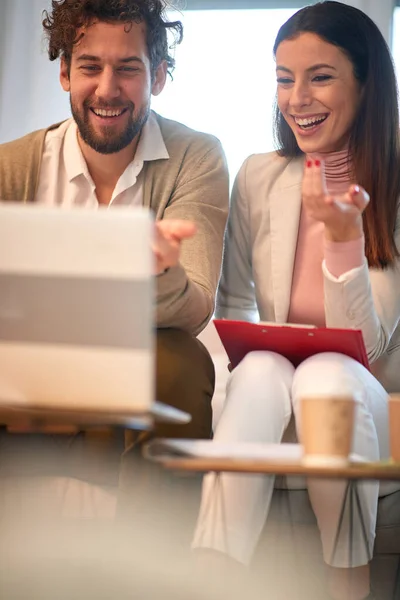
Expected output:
{"points": [[77, 522]]}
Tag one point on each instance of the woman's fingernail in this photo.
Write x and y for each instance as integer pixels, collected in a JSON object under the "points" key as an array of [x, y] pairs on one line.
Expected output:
{"points": [[309, 163], [317, 163], [356, 189]]}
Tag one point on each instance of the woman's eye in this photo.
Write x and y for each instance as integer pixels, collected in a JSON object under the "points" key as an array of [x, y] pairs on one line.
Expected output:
{"points": [[284, 80], [322, 77]]}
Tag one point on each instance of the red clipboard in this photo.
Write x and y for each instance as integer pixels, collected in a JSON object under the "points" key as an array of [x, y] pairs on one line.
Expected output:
{"points": [[295, 342]]}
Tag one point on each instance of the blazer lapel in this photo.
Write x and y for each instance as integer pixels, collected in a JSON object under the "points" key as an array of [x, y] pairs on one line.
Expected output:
{"points": [[285, 208]]}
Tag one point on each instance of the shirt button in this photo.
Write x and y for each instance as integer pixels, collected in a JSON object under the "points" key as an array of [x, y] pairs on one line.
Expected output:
{"points": [[351, 314]]}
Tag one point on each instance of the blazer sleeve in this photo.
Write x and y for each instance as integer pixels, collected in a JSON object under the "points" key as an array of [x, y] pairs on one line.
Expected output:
{"points": [[366, 299], [186, 293], [236, 294]]}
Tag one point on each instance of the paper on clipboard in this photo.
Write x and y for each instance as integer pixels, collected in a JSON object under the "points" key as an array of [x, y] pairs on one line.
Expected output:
{"points": [[293, 325]]}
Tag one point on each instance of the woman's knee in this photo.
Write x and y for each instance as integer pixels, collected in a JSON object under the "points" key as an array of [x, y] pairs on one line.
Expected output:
{"points": [[262, 377], [329, 374], [264, 367], [258, 405]]}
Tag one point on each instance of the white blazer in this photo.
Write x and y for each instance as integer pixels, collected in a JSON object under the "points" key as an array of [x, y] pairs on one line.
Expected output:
{"points": [[260, 248]]}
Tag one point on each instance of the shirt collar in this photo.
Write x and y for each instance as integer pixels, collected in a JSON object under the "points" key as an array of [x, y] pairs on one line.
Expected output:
{"points": [[74, 161], [151, 146]]}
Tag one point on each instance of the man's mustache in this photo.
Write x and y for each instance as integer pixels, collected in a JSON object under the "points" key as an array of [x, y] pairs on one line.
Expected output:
{"points": [[99, 104]]}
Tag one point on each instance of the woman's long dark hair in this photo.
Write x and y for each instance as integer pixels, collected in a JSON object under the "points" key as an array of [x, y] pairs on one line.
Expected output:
{"points": [[374, 140]]}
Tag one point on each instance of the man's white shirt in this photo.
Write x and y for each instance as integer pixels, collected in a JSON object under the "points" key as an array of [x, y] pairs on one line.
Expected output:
{"points": [[65, 180]]}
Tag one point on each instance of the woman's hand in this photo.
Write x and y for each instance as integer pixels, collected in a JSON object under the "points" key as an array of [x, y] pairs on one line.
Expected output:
{"points": [[169, 234], [341, 215]]}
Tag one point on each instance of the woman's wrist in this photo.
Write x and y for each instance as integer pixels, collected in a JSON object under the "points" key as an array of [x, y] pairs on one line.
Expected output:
{"points": [[344, 234], [342, 257]]}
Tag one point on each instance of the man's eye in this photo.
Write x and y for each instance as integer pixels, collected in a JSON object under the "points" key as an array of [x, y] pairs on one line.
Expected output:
{"points": [[128, 69], [90, 67]]}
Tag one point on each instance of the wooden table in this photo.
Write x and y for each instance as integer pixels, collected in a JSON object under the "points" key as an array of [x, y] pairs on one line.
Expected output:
{"points": [[386, 470], [39, 419], [87, 445], [352, 473]]}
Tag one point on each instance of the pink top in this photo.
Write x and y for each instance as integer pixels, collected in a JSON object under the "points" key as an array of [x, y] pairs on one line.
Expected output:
{"points": [[307, 295]]}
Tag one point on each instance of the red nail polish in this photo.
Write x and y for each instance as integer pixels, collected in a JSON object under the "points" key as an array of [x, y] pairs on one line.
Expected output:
{"points": [[356, 189], [309, 163], [317, 163]]}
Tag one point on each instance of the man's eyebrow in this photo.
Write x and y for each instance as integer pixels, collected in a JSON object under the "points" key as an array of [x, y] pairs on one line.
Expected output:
{"points": [[92, 58], [310, 69], [88, 57], [131, 59]]}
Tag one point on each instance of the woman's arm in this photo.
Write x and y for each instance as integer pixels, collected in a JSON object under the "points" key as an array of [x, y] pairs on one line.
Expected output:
{"points": [[236, 295], [359, 298], [366, 299]]}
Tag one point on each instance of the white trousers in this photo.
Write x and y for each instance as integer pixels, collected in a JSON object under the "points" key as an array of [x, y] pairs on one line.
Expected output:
{"points": [[263, 392]]}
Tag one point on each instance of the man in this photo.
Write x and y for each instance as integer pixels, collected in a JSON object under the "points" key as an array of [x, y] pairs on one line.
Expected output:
{"points": [[116, 151]]}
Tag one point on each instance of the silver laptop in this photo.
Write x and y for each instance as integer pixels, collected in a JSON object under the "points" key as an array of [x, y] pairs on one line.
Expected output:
{"points": [[76, 308]]}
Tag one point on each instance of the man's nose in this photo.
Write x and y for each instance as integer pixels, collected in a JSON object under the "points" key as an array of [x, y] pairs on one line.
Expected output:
{"points": [[108, 86]]}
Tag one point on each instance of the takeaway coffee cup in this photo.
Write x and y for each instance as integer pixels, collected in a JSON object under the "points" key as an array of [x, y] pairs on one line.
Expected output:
{"points": [[327, 429]]}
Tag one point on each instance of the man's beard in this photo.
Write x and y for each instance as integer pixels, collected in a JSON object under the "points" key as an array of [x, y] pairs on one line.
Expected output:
{"points": [[110, 141]]}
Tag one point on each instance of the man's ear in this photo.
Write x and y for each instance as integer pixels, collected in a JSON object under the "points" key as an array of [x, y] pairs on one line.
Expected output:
{"points": [[160, 78], [64, 75]]}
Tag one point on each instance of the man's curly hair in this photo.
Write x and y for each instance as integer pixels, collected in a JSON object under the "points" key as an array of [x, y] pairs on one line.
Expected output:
{"points": [[68, 16]]}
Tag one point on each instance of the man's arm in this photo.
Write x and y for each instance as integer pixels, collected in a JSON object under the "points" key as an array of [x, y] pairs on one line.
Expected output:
{"points": [[186, 292], [20, 162]]}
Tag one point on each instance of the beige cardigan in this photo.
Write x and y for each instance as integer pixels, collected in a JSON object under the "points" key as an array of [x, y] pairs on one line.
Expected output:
{"points": [[191, 184], [259, 258]]}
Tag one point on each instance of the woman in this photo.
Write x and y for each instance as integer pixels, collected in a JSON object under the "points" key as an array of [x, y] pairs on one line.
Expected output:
{"points": [[306, 243]]}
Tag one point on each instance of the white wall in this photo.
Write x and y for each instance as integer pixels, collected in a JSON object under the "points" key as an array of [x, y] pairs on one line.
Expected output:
{"points": [[380, 11], [30, 93]]}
